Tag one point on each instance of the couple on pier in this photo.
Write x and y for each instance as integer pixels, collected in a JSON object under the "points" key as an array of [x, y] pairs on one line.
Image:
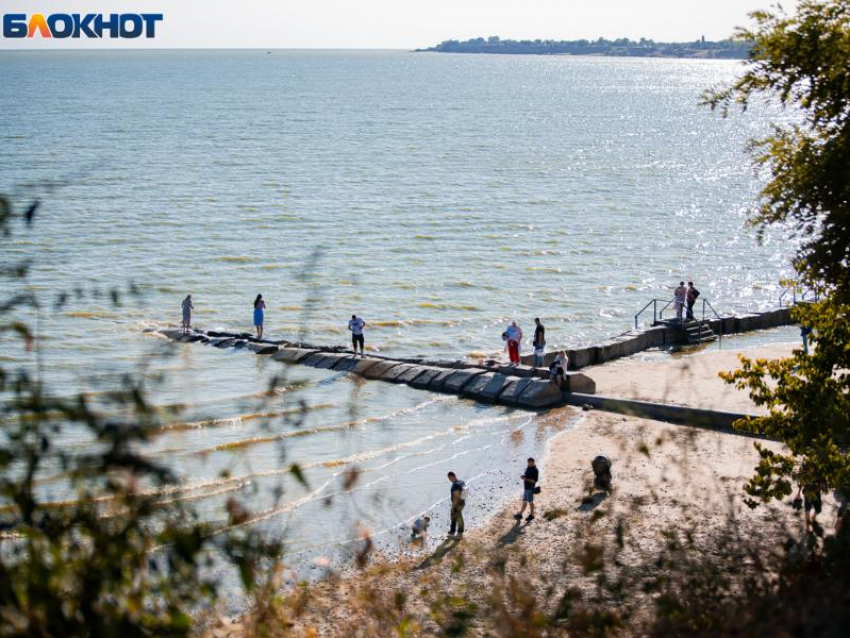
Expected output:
{"points": [[512, 337], [685, 297]]}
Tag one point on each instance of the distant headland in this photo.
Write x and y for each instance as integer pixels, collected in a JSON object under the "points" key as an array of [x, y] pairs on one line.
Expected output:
{"points": [[622, 47]]}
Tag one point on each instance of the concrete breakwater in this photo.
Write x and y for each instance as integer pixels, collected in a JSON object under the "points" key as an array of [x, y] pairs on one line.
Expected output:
{"points": [[520, 386], [665, 334]]}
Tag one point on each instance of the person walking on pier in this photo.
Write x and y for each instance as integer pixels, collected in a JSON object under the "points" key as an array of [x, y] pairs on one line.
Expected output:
{"points": [[187, 313], [356, 325], [458, 498], [514, 339], [679, 296], [259, 315], [529, 489], [539, 342], [691, 298]]}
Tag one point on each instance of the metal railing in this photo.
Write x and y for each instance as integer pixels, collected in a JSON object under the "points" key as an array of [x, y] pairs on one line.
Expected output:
{"points": [[814, 295], [655, 315], [706, 302], [658, 315]]}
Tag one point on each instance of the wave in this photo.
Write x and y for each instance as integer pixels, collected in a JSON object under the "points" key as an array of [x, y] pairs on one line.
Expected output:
{"points": [[241, 418], [556, 271], [399, 323], [446, 306], [80, 314], [347, 425], [234, 259]]}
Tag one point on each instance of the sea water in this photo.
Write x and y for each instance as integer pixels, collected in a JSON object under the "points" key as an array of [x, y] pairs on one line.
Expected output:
{"points": [[437, 196]]}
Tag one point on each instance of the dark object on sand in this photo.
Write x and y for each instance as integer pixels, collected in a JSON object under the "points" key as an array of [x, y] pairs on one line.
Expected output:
{"points": [[601, 473]]}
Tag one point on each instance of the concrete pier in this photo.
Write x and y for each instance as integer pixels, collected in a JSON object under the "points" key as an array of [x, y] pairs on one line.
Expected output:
{"points": [[662, 334], [521, 386]]}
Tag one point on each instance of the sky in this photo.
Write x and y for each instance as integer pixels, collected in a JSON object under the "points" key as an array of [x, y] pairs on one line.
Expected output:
{"points": [[396, 24]]}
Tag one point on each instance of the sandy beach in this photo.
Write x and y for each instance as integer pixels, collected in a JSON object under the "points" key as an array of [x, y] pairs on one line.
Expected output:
{"points": [[683, 379], [666, 478]]}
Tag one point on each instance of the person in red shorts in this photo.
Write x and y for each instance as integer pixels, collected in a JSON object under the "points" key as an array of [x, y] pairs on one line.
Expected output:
{"points": [[513, 336]]}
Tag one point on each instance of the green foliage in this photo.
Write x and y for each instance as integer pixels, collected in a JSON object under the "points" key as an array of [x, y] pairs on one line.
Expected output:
{"points": [[803, 62], [808, 403], [117, 557]]}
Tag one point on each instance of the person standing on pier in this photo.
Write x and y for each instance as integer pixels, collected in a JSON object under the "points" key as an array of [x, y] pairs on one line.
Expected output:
{"points": [[259, 315], [691, 298], [458, 497], [514, 339], [187, 313], [679, 296], [539, 342], [356, 325]]}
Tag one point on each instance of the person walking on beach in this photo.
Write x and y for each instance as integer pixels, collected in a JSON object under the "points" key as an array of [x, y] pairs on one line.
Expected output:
{"points": [[539, 342], [679, 296], [691, 298], [809, 499], [356, 325], [458, 498], [529, 485], [805, 331], [514, 339], [187, 313], [259, 315]]}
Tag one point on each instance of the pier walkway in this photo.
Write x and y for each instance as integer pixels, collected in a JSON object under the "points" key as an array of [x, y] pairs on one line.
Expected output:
{"points": [[522, 386]]}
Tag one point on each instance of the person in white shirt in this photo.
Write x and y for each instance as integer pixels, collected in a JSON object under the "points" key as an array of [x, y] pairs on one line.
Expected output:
{"points": [[356, 325], [679, 296], [514, 339]]}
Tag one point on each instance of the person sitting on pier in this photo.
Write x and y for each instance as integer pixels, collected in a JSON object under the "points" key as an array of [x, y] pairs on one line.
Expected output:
{"points": [[557, 371]]}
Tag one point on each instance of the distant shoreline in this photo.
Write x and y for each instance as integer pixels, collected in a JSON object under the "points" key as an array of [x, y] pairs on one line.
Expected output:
{"points": [[701, 49]]}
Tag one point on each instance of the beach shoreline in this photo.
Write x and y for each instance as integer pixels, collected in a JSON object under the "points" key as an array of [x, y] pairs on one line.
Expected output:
{"points": [[665, 477]]}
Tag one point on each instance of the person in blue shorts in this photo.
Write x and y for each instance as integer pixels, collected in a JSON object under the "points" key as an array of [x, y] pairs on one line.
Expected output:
{"points": [[259, 315], [529, 483]]}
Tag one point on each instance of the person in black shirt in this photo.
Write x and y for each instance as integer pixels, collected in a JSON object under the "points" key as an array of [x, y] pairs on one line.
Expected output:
{"points": [[458, 503], [691, 299], [529, 481], [539, 343]]}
